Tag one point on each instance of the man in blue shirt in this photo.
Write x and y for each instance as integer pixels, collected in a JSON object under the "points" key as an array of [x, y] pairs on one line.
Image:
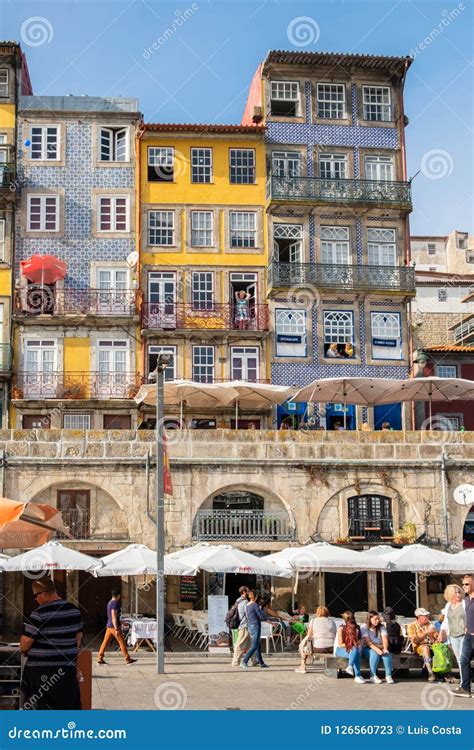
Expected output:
{"points": [[467, 647], [255, 615], [114, 629]]}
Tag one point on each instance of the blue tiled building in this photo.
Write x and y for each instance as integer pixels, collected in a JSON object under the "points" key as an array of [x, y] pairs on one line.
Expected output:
{"points": [[338, 202]]}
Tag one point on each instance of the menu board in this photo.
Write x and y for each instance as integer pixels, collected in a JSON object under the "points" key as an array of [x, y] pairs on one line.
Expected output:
{"points": [[218, 630], [188, 591]]}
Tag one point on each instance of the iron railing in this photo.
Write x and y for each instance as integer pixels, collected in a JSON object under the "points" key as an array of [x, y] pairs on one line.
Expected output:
{"points": [[186, 316], [318, 190], [75, 385], [81, 526], [343, 277], [5, 358], [7, 176], [40, 299], [250, 525], [370, 528]]}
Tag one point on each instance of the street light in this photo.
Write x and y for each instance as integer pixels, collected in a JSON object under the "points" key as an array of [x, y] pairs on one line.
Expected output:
{"points": [[158, 375]]}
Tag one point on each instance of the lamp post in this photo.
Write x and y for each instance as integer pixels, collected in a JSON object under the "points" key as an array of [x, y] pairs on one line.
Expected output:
{"points": [[158, 375]]}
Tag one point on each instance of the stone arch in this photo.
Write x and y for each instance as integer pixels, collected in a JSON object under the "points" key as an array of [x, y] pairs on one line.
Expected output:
{"points": [[468, 528]]}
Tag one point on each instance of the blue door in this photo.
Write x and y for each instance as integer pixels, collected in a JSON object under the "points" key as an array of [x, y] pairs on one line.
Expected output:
{"points": [[391, 413]]}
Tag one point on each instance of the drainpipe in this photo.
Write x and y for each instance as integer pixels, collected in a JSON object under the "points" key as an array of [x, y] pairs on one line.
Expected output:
{"points": [[444, 498], [147, 482]]}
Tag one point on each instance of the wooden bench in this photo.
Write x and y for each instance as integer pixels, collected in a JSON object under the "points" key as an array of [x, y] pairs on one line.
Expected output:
{"points": [[335, 666]]}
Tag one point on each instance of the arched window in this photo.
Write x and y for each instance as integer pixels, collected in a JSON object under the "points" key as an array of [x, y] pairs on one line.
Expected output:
{"points": [[370, 517]]}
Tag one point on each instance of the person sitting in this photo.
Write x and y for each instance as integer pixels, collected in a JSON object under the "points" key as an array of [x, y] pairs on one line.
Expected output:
{"points": [[394, 631], [321, 634], [375, 647], [347, 645], [422, 635], [333, 352], [386, 427]]}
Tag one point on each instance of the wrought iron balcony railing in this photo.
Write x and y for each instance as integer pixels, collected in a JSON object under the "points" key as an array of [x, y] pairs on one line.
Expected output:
{"points": [[82, 526], [250, 525], [76, 385], [5, 358], [214, 317], [368, 529], [7, 176], [317, 190], [42, 299], [342, 277]]}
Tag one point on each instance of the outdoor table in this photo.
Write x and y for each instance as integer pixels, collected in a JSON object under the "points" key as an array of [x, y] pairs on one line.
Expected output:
{"points": [[142, 631]]}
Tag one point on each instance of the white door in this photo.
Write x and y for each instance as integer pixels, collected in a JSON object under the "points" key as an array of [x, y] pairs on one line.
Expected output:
{"points": [[245, 363], [112, 363], [295, 253], [162, 300], [41, 378], [112, 286]]}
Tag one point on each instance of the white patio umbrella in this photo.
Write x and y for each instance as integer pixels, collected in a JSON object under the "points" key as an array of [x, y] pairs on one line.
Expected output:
{"points": [[361, 391], [135, 560], [462, 562], [224, 558], [256, 395], [193, 394], [51, 556], [436, 389], [3, 558], [325, 557], [418, 558]]}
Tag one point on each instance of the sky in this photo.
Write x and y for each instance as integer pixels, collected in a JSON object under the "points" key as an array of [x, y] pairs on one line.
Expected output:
{"points": [[200, 69]]}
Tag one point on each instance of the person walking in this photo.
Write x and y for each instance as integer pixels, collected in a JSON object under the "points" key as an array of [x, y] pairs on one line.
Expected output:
{"points": [[51, 639], [375, 647], [255, 616], [243, 641], [467, 647], [114, 629], [453, 626]]}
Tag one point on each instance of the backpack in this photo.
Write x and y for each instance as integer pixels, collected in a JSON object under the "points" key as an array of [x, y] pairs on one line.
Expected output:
{"points": [[232, 618], [395, 638], [442, 660]]}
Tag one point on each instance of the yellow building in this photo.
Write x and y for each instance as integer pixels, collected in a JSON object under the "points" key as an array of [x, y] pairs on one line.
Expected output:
{"points": [[203, 255]]}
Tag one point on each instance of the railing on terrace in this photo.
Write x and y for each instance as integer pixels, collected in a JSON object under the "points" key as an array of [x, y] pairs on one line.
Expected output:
{"points": [[249, 525], [79, 522], [41, 299], [5, 358], [75, 385], [343, 277], [317, 190], [369, 529], [186, 316]]}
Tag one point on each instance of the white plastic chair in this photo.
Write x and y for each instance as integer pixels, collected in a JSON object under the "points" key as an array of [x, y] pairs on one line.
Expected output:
{"points": [[191, 628], [179, 626], [203, 637], [267, 636]]}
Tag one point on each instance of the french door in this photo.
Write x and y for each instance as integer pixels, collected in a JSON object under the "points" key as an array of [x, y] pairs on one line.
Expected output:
{"points": [[112, 285], [41, 378], [112, 361], [162, 299]]}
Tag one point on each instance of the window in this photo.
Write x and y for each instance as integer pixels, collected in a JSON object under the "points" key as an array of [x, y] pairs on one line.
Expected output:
{"points": [[386, 335], [113, 213], [203, 364], [4, 83], [332, 166], [462, 240], [244, 363], [43, 213], [431, 248], [201, 228], [442, 295], [44, 142], [370, 516], [288, 243], [160, 164], [76, 420], [161, 228], [379, 168], [286, 164], [284, 98], [202, 291], [36, 422], [377, 103], [113, 144], [335, 246], [2, 239], [170, 369], [242, 166], [75, 510], [40, 377], [112, 297], [381, 247], [117, 422], [331, 100], [201, 165], [446, 371], [243, 229], [290, 330], [112, 364], [338, 334]]}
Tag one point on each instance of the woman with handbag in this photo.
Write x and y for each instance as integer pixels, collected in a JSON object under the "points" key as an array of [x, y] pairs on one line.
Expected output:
{"points": [[319, 639]]}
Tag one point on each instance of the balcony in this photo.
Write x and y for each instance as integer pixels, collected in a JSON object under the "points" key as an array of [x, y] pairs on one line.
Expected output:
{"points": [[81, 526], [5, 359], [314, 190], [242, 525], [76, 385], [342, 277], [217, 317], [362, 529], [44, 300], [7, 177]]}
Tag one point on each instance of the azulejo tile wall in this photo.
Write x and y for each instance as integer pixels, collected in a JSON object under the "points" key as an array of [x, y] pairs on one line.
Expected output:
{"points": [[78, 248]]}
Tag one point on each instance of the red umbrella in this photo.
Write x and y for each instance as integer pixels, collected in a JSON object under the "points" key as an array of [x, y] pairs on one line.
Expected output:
{"points": [[43, 269]]}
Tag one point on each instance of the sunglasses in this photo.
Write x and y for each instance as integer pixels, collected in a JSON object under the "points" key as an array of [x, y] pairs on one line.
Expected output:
{"points": [[35, 596], [467, 583]]}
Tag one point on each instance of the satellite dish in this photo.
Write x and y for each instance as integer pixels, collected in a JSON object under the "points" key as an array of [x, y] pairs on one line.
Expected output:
{"points": [[464, 494], [132, 260]]}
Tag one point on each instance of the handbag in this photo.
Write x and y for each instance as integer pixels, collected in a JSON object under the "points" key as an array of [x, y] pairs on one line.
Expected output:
{"points": [[306, 647]]}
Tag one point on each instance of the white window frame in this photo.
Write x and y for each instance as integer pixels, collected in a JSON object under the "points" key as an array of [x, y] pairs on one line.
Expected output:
{"points": [[4, 84], [384, 107], [206, 233], [337, 166], [246, 353], [431, 248], [242, 164], [202, 290], [386, 352], [282, 162], [46, 384], [44, 154], [170, 371], [382, 246], [166, 159], [242, 236], [42, 212], [203, 171], [3, 228], [113, 213], [332, 105], [335, 245], [379, 167], [338, 328], [442, 371], [113, 135], [285, 91], [195, 364], [169, 229], [86, 416], [293, 323]]}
